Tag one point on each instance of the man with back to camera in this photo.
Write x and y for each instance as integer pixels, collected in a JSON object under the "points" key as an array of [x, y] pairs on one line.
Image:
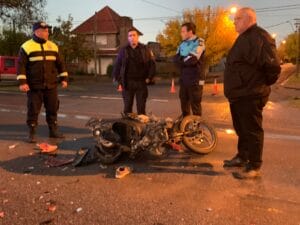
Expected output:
{"points": [[190, 59], [39, 65], [134, 69], [252, 66]]}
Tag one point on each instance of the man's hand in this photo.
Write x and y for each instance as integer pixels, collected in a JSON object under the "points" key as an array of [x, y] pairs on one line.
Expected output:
{"points": [[64, 84], [147, 81], [24, 87]]}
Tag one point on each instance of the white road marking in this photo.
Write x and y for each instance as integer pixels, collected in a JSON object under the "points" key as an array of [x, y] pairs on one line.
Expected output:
{"points": [[111, 98], [84, 96], [159, 100], [282, 136], [81, 117], [4, 110], [60, 115], [267, 135]]}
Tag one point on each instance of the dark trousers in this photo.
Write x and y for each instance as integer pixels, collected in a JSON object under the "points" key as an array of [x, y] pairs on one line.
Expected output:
{"points": [[247, 121], [191, 97], [34, 103], [139, 90]]}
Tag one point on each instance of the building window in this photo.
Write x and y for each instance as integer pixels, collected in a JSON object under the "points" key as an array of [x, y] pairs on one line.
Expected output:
{"points": [[101, 39]]}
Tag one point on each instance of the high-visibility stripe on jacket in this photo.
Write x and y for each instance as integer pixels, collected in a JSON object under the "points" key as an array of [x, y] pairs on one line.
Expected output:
{"points": [[39, 64]]}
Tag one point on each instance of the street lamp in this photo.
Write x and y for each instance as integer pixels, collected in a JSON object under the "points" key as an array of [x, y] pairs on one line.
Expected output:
{"points": [[233, 10], [274, 35], [283, 42]]}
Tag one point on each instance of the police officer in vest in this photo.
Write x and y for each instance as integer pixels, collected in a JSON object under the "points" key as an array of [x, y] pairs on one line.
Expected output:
{"points": [[190, 60], [40, 68]]}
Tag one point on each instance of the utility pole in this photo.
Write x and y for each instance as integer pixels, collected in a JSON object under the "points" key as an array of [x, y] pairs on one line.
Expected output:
{"points": [[297, 24], [95, 45]]}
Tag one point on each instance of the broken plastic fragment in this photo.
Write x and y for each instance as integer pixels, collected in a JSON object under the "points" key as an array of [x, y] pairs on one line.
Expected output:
{"points": [[103, 166], [56, 162], [47, 148], [52, 208], [13, 146], [176, 147], [78, 209], [123, 171]]}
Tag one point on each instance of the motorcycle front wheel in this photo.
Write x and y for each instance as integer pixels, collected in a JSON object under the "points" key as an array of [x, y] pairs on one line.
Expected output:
{"points": [[198, 135], [108, 155]]}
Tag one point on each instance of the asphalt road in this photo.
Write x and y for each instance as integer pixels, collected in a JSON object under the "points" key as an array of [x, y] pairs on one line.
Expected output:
{"points": [[178, 188]]}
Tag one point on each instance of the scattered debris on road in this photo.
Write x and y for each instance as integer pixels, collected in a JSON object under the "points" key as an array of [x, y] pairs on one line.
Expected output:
{"points": [[103, 166], [176, 147], [78, 210], [13, 146], [1, 214], [123, 171], [208, 209], [49, 221], [57, 162], [51, 206], [47, 148]]}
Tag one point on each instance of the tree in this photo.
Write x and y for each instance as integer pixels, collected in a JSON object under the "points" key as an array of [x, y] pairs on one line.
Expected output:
{"points": [[10, 42], [214, 25], [21, 13], [281, 50], [291, 47], [72, 47]]}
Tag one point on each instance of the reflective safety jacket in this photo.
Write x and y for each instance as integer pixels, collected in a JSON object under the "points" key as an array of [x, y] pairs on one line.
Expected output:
{"points": [[39, 64]]}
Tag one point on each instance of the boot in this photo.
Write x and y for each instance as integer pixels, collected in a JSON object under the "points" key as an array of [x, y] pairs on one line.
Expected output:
{"points": [[54, 133], [32, 132], [235, 162]]}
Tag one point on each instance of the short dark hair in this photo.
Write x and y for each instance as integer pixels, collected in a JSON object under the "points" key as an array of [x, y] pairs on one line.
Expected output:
{"points": [[133, 29], [190, 27]]}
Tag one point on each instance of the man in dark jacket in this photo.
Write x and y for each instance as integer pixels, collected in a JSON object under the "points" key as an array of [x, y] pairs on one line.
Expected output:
{"points": [[39, 67], [134, 69], [190, 59], [252, 66]]}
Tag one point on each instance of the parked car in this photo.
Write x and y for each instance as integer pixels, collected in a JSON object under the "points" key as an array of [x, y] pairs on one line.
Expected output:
{"points": [[8, 67]]}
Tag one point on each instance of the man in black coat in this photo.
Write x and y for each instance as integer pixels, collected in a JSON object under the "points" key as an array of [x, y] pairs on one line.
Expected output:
{"points": [[252, 66], [134, 69]]}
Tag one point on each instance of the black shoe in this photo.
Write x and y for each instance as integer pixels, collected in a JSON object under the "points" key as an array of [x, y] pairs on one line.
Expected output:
{"points": [[54, 133], [234, 162], [31, 136], [248, 173]]}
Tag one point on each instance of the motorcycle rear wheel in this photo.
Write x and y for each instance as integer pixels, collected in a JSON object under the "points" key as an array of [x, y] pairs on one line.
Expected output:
{"points": [[199, 136]]}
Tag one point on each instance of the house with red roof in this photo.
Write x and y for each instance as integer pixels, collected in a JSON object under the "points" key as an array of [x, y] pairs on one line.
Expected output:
{"points": [[105, 32]]}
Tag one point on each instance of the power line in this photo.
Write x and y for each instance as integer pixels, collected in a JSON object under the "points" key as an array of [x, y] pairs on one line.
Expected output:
{"points": [[160, 6], [258, 10], [277, 7], [278, 24]]}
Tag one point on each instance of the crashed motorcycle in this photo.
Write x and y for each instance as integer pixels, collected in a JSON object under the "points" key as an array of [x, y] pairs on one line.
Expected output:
{"points": [[135, 133]]}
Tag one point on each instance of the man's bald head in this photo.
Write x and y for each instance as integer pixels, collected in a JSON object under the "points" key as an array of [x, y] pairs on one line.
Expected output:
{"points": [[244, 18]]}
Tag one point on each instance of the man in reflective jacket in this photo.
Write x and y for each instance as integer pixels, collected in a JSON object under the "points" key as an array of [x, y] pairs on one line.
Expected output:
{"points": [[190, 60], [40, 68]]}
